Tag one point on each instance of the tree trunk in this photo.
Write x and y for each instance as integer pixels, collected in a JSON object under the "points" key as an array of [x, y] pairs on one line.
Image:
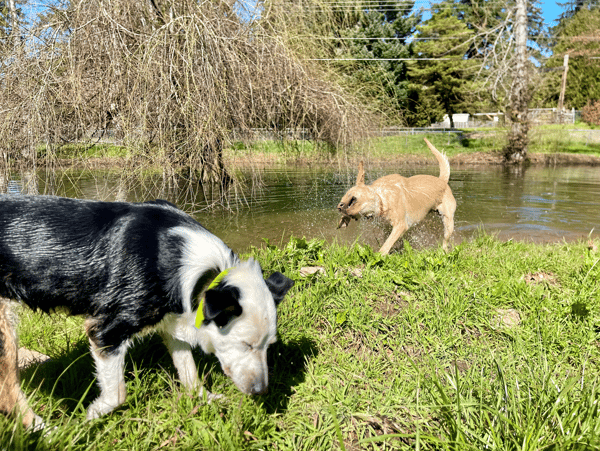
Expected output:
{"points": [[563, 87], [14, 24], [213, 169], [516, 149]]}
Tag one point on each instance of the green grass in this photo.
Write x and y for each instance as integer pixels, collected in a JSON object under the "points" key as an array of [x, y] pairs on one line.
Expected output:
{"points": [[543, 139], [451, 143], [286, 149], [572, 138], [381, 147], [88, 151], [408, 351]]}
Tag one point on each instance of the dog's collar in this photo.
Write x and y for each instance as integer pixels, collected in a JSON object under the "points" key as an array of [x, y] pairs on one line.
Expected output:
{"points": [[216, 281]]}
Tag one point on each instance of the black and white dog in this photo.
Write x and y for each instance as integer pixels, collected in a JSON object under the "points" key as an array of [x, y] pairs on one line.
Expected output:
{"points": [[130, 268]]}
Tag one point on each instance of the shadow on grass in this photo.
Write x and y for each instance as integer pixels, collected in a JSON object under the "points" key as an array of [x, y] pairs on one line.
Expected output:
{"points": [[70, 378], [287, 369], [67, 377]]}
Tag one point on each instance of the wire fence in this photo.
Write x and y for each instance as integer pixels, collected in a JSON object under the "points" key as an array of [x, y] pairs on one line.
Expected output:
{"points": [[538, 116]]}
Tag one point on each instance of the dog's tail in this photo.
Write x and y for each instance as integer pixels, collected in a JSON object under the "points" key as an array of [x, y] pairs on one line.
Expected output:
{"points": [[442, 160]]}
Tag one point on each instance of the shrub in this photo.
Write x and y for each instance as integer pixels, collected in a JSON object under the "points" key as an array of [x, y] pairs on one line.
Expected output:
{"points": [[590, 114]]}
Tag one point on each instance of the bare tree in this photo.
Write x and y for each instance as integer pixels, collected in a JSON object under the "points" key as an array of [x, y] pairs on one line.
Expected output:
{"points": [[515, 150], [175, 77], [502, 47]]}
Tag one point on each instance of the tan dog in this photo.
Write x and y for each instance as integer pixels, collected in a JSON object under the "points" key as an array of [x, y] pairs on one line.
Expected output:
{"points": [[402, 201]]}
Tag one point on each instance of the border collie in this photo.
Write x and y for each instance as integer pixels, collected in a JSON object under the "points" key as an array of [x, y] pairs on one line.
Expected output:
{"points": [[130, 268]]}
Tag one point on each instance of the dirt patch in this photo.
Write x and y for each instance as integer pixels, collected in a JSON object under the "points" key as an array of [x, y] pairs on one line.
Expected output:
{"points": [[390, 306], [377, 425], [541, 278], [509, 318]]}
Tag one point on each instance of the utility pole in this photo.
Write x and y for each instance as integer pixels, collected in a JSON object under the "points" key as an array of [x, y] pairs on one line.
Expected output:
{"points": [[563, 87], [516, 148]]}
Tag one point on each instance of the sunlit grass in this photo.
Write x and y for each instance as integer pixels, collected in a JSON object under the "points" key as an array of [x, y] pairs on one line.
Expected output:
{"points": [[559, 138], [79, 151], [578, 139], [543, 139], [449, 142], [494, 345]]}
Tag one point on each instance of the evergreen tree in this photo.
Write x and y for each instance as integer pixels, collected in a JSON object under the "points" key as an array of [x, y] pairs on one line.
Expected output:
{"points": [[579, 37], [6, 19], [571, 8], [442, 75], [365, 42], [380, 48]]}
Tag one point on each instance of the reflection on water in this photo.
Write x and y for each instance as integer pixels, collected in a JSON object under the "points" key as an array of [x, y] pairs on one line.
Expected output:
{"points": [[537, 203]]}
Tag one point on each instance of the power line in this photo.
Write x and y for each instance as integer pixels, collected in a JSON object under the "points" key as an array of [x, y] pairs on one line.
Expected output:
{"points": [[377, 3], [592, 38], [381, 59], [380, 38]]}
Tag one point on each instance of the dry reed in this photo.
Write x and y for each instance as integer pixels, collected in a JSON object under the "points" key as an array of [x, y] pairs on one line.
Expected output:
{"points": [[174, 80]]}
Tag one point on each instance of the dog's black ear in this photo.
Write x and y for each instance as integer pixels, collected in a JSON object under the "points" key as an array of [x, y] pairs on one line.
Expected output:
{"points": [[221, 304], [279, 285]]}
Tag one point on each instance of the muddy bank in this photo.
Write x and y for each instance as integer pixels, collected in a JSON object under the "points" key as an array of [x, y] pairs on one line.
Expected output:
{"points": [[260, 159], [534, 158], [471, 158]]}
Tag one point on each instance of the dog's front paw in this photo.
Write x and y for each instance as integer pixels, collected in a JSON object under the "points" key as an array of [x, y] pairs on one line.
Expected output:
{"points": [[208, 396], [214, 396], [99, 408]]}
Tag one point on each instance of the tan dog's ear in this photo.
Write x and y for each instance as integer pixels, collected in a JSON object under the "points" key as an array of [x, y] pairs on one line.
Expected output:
{"points": [[360, 178]]}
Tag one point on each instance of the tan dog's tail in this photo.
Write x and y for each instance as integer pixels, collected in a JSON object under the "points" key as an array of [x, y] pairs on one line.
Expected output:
{"points": [[442, 160], [360, 177]]}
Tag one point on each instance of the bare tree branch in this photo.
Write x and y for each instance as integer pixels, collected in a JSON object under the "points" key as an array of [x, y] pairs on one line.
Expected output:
{"points": [[176, 87]]}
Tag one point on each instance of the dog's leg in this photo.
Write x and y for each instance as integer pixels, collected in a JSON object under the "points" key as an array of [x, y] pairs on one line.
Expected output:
{"points": [[447, 209], [448, 230], [12, 399], [395, 235], [109, 372], [181, 353]]}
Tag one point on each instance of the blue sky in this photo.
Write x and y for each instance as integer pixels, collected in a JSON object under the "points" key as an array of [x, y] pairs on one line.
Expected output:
{"points": [[551, 11]]}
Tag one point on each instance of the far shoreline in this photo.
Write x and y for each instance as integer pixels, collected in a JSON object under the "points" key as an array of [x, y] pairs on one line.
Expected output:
{"points": [[266, 160]]}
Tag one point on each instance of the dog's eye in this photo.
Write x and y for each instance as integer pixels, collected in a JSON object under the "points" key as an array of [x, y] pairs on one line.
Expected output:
{"points": [[247, 345], [352, 201]]}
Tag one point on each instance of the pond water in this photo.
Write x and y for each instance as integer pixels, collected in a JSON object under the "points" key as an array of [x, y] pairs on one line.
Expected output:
{"points": [[542, 204]]}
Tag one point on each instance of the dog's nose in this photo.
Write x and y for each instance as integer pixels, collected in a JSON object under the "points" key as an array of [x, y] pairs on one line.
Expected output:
{"points": [[341, 206], [259, 388]]}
